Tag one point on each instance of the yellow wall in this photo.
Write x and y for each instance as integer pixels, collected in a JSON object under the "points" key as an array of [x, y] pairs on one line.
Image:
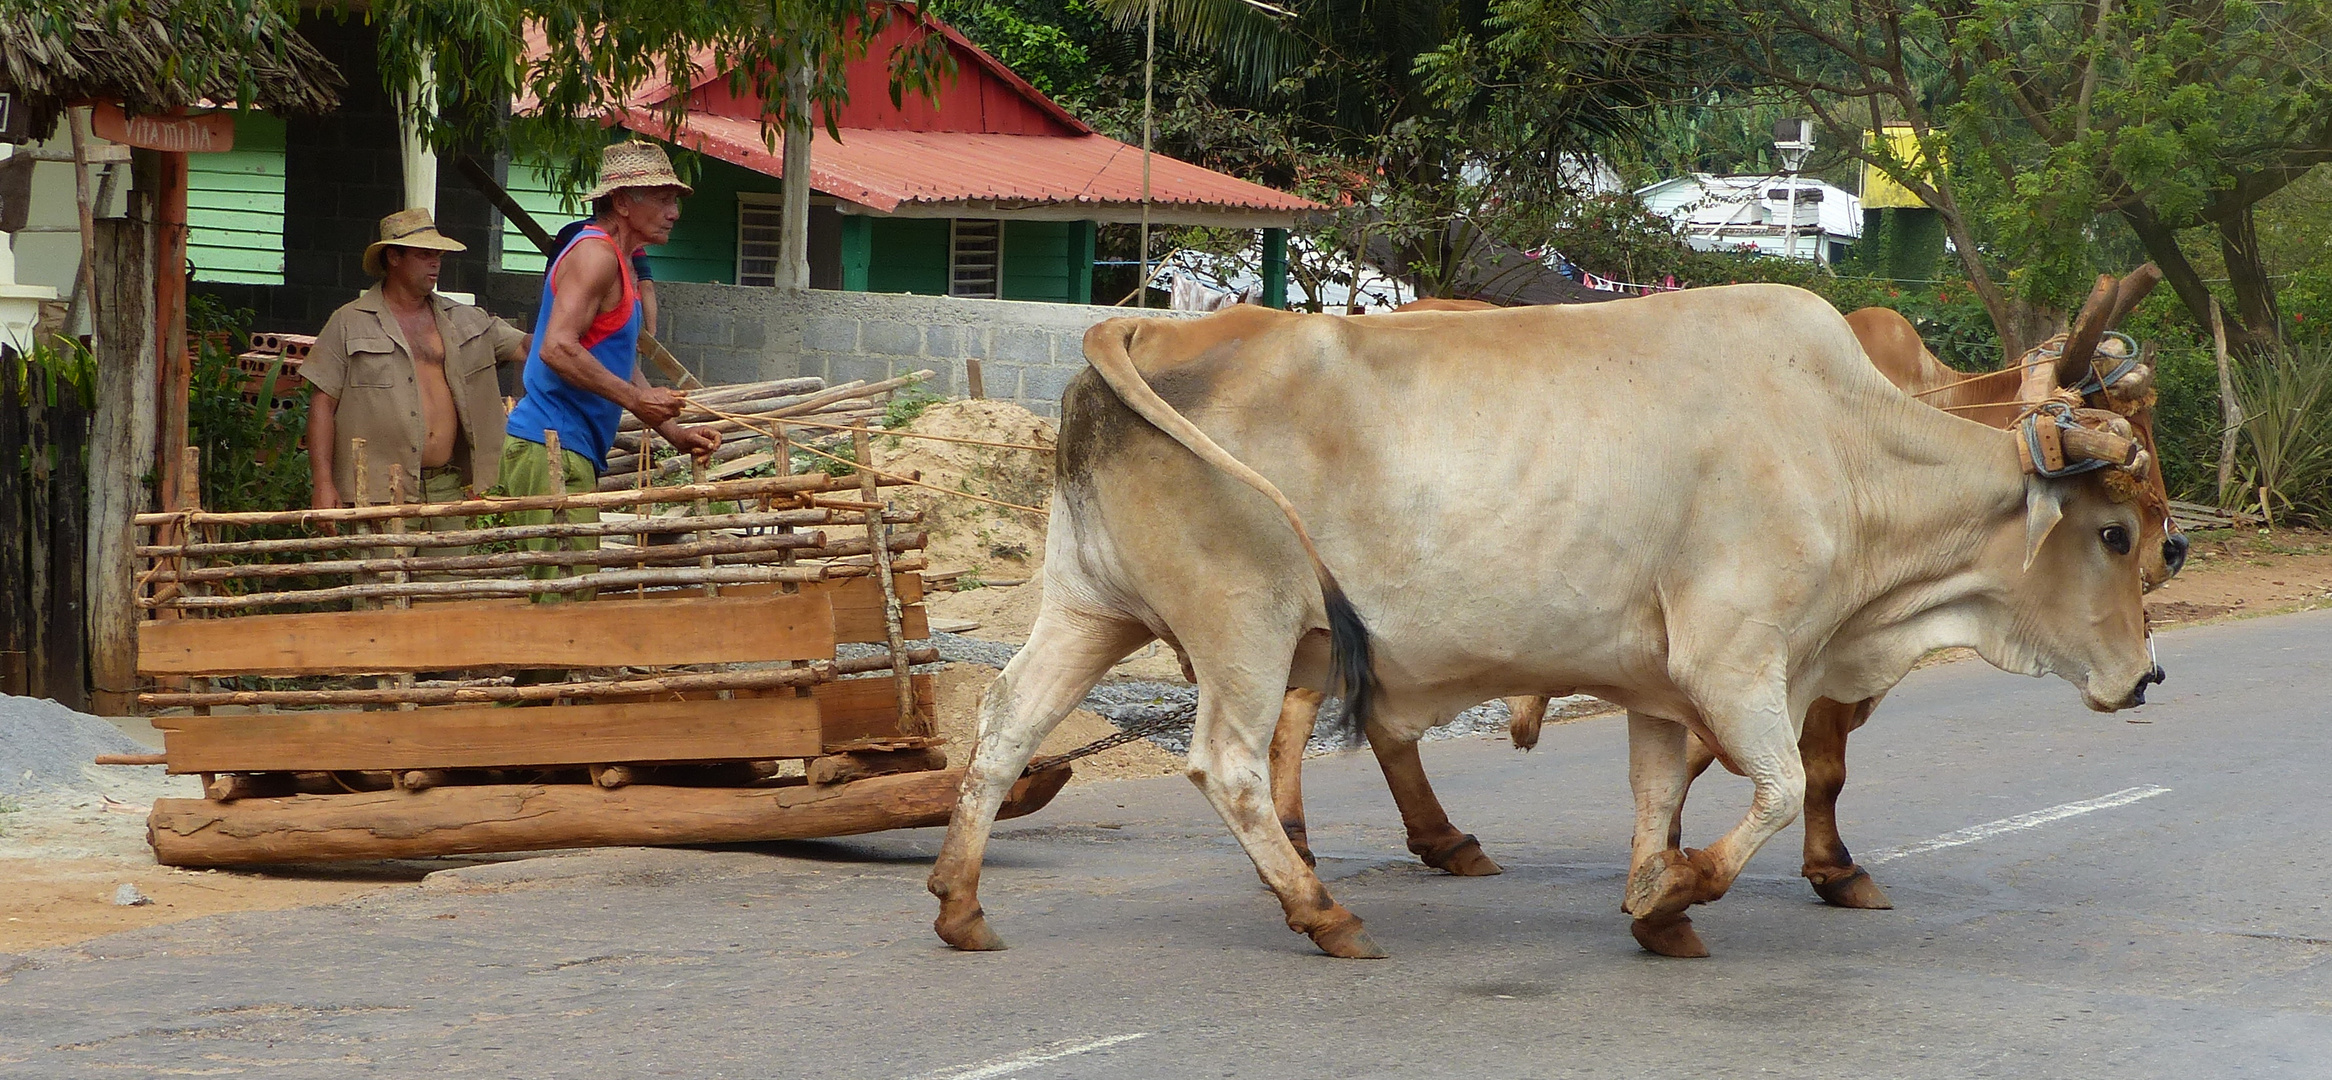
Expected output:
{"points": [[1880, 191]]}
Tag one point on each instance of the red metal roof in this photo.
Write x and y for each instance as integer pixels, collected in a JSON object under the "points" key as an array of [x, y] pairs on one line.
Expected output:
{"points": [[887, 170]]}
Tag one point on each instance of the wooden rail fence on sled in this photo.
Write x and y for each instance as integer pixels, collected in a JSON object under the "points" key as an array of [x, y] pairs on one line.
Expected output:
{"points": [[380, 700]]}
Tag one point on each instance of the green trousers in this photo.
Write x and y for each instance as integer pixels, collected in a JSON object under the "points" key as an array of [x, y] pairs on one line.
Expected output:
{"points": [[526, 470]]}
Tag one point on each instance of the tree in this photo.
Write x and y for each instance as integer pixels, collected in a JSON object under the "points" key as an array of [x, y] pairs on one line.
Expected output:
{"points": [[577, 63], [2164, 114]]}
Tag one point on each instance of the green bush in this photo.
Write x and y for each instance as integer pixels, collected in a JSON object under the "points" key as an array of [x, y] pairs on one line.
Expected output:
{"points": [[2287, 430]]}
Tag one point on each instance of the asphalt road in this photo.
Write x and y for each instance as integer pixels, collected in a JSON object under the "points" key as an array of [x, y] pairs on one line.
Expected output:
{"points": [[2056, 917]]}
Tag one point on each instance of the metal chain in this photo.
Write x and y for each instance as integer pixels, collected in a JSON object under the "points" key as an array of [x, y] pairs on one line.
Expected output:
{"points": [[1143, 730]]}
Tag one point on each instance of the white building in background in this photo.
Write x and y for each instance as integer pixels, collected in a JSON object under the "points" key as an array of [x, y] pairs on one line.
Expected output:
{"points": [[1755, 213]]}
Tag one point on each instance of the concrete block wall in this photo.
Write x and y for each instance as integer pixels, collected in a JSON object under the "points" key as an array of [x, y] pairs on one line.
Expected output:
{"points": [[1027, 351]]}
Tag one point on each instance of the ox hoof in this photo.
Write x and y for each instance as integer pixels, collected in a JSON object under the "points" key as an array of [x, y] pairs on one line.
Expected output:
{"points": [[971, 933], [1855, 890], [1670, 935], [1669, 882], [1464, 859], [1348, 942]]}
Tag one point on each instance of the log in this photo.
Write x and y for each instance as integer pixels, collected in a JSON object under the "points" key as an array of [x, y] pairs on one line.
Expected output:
{"points": [[418, 780], [726, 490], [763, 679], [628, 526], [863, 764], [813, 403], [742, 549], [132, 759], [2083, 444], [532, 817], [723, 395]]}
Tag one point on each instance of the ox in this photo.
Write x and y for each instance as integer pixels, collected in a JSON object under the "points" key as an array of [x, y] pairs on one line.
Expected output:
{"points": [[1997, 399], [1714, 547]]}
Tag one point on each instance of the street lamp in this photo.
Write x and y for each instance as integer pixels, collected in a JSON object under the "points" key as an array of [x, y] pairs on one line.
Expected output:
{"points": [[1793, 139]]}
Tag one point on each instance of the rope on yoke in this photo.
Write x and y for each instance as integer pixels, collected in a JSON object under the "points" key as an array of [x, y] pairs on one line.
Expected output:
{"points": [[1143, 730], [2045, 443]]}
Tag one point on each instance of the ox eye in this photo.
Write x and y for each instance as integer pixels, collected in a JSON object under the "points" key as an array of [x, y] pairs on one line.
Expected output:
{"points": [[2117, 539]]}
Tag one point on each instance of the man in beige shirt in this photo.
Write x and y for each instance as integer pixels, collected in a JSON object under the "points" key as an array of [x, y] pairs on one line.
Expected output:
{"points": [[412, 374]]}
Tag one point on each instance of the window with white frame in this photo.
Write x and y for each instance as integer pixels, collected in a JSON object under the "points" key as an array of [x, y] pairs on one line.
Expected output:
{"points": [[975, 258], [760, 224]]}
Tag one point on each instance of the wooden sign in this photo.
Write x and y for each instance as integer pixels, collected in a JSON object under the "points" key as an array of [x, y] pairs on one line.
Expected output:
{"points": [[209, 133]]}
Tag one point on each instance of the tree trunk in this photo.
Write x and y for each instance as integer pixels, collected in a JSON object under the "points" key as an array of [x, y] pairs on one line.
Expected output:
{"points": [[2161, 243], [2019, 324], [121, 454], [2254, 290]]}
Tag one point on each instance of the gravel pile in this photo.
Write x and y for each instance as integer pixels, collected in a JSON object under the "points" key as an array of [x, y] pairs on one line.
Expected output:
{"points": [[46, 747]]}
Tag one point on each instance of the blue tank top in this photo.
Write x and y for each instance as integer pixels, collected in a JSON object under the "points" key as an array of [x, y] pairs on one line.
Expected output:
{"points": [[586, 422]]}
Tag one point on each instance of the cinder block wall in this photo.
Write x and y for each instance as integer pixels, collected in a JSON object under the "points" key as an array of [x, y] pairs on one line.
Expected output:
{"points": [[1027, 351]]}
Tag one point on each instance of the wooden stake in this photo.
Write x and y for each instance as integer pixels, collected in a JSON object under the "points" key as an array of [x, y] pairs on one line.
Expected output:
{"points": [[398, 552], [911, 721], [121, 455]]}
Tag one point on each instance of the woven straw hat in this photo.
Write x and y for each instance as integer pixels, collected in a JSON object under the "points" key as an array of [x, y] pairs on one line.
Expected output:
{"points": [[634, 164], [412, 228]]}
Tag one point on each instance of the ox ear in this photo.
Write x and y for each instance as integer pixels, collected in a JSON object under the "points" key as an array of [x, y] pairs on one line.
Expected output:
{"points": [[2044, 506]]}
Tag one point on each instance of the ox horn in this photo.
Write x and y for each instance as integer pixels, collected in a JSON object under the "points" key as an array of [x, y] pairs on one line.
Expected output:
{"points": [[2131, 291], [2088, 327]]}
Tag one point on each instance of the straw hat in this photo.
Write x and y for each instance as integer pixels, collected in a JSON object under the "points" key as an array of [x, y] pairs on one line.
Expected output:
{"points": [[634, 164], [412, 228]]}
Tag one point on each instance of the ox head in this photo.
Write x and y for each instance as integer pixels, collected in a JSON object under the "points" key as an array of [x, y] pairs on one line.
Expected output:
{"points": [[2103, 369], [2079, 603]]}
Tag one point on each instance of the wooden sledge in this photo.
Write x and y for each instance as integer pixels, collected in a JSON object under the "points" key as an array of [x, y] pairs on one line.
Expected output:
{"points": [[701, 711]]}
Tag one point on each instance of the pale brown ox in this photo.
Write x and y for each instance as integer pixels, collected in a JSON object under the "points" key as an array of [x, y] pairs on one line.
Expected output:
{"points": [[1718, 542], [1894, 347]]}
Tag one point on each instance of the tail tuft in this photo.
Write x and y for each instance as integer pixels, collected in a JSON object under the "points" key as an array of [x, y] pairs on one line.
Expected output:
{"points": [[1353, 668]]}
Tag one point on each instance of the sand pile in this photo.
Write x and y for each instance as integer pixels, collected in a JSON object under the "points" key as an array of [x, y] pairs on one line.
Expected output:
{"points": [[46, 747], [993, 542]]}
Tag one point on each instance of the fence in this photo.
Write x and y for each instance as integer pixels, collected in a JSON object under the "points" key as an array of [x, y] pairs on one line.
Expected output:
{"points": [[44, 514]]}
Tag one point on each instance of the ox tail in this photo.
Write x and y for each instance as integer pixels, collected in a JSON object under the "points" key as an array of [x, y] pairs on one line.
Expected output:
{"points": [[1107, 349]]}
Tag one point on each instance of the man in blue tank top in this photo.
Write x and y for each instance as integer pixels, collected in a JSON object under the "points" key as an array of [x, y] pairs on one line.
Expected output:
{"points": [[583, 372]]}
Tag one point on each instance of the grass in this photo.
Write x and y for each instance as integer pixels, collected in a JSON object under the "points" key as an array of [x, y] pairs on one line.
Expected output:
{"points": [[8, 805]]}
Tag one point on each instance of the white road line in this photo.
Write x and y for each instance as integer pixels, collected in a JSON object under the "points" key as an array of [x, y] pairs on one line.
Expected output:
{"points": [[2020, 822], [1027, 1059]]}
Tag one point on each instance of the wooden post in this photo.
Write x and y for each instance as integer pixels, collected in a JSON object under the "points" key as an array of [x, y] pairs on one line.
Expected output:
{"points": [[190, 498], [973, 381], [361, 478], [121, 454], [37, 537], [2230, 408], [68, 642], [404, 680], [175, 367], [911, 720], [16, 614]]}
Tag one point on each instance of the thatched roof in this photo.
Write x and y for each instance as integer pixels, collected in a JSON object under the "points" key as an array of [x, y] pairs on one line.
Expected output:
{"points": [[153, 62]]}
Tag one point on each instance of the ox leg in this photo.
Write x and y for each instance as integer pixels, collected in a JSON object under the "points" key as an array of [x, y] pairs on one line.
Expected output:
{"points": [[1829, 866], [1432, 838], [1298, 711], [1526, 716], [1697, 758], [1663, 879], [1751, 726], [1067, 652], [1227, 762]]}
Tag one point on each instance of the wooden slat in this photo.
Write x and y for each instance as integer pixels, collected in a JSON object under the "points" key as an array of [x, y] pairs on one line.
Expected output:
{"points": [[470, 737], [854, 710], [642, 633], [858, 606]]}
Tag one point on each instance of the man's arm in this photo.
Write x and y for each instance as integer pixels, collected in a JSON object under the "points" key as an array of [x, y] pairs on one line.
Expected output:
{"points": [[510, 343], [323, 435], [647, 289], [700, 441], [586, 278]]}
